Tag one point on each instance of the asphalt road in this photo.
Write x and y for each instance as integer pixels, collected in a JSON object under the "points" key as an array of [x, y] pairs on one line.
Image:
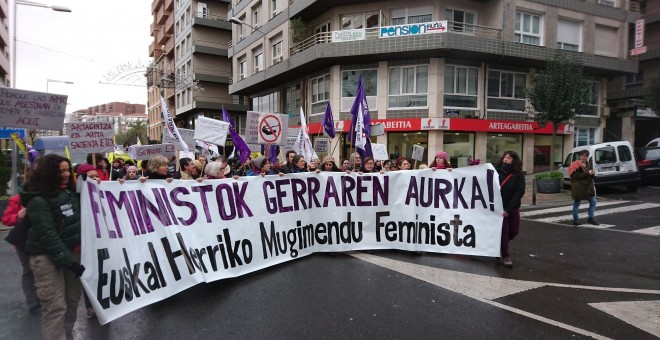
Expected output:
{"points": [[567, 282]]}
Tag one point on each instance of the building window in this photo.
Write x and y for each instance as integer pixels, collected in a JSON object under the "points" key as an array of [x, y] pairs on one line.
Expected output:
{"points": [[266, 103], [242, 68], [274, 10], [584, 136], [258, 62], [506, 91], [634, 80], [461, 86], [256, 10], [361, 20], [411, 15], [277, 52], [569, 35], [349, 81], [461, 21], [528, 28], [606, 41], [408, 86], [592, 106], [239, 29], [293, 100], [320, 93], [611, 3]]}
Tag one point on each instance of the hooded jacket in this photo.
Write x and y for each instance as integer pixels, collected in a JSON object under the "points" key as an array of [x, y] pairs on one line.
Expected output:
{"points": [[54, 225]]}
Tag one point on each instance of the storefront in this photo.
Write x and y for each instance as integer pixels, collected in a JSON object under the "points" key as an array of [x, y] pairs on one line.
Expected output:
{"points": [[466, 139]]}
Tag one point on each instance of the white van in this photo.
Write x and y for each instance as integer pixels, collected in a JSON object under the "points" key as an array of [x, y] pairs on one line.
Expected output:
{"points": [[613, 163]]}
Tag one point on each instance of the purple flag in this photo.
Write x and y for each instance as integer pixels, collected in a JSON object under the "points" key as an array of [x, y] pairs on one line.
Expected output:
{"points": [[328, 122], [226, 117], [239, 146], [361, 107]]}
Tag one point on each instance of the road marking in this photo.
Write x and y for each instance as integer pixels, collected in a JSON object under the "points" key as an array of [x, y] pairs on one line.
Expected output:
{"points": [[486, 288], [565, 208], [641, 314], [602, 212], [649, 231]]}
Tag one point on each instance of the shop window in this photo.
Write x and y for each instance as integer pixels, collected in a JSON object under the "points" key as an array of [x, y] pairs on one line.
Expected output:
{"points": [[266, 103], [293, 102], [542, 152], [498, 143], [401, 144], [459, 146]]}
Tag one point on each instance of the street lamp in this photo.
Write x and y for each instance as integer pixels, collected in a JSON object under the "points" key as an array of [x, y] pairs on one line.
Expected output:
{"points": [[55, 8], [237, 21], [57, 81]]}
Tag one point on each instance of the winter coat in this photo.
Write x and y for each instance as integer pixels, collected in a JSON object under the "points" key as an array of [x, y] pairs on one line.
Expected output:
{"points": [[512, 191], [9, 217], [54, 225], [582, 184]]}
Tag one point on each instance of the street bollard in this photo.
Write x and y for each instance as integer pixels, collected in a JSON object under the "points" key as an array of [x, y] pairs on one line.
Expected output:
{"points": [[533, 191]]}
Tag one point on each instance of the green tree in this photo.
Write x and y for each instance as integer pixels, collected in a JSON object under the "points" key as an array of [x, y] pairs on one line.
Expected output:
{"points": [[137, 129], [652, 98], [557, 93]]}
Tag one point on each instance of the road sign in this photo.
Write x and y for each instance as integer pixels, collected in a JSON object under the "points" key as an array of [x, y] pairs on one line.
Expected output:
{"points": [[270, 129]]}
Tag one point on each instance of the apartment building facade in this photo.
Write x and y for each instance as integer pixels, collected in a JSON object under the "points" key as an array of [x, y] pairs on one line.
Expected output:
{"points": [[190, 68], [5, 79], [630, 117], [446, 75], [121, 115]]}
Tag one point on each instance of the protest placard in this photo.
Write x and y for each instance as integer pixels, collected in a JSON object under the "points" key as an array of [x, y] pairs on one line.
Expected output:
{"points": [[31, 110], [417, 152], [188, 136], [88, 137], [379, 151], [144, 152], [211, 130], [184, 233]]}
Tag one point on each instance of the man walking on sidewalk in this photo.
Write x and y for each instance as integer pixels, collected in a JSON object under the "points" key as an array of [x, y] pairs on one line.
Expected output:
{"points": [[582, 187]]}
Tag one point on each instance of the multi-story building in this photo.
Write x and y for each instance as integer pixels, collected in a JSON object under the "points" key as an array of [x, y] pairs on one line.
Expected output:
{"points": [[630, 118], [447, 75], [190, 69], [121, 115], [4, 45]]}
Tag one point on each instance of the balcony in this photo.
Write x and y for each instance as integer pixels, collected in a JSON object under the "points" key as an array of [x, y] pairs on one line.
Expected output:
{"points": [[169, 47], [214, 21], [155, 50], [162, 15], [162, 37], [153, 29], [169, 92], [169, 24], [212, 75], [210, 47], [155, 5], [169, 5]]}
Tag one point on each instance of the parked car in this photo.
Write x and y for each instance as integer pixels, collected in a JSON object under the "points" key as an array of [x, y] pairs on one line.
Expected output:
{"points": [[613, 164], [648, 162], [654, 142]]}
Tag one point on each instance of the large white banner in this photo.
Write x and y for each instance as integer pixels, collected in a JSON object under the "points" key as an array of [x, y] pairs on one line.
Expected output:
{"points": [[144, 242]]}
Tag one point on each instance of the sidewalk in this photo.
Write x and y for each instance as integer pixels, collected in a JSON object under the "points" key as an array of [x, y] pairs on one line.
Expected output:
{"points": [[562, 198]]}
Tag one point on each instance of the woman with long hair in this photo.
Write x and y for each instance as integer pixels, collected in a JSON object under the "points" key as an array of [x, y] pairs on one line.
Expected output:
{"points": [[512, 189], [53, 244]]}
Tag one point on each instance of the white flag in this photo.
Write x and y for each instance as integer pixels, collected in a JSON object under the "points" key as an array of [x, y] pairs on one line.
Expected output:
{"points": [[360, 138], [171, 128], [303, 144]]}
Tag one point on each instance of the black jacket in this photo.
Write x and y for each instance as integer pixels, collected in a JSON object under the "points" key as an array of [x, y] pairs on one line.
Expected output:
{"points": [[512, 191]]}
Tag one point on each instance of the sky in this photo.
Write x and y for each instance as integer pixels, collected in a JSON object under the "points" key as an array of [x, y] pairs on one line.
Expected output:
{"points": [[96, 42]]}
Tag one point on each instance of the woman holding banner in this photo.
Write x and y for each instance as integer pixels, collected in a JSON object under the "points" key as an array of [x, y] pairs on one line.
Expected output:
{"points": [[53, 243], [298, 164], [157, 168], [512, 189], [369, 165]]}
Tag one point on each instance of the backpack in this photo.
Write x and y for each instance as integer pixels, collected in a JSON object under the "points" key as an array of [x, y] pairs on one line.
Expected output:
{"points": [[18, 235]]}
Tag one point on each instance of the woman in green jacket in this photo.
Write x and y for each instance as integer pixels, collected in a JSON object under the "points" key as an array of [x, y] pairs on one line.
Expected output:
{"points": [[53, 244]]}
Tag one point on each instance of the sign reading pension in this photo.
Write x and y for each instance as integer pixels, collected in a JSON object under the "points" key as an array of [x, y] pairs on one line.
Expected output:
{"points": [[91, 137], [413, 29], [144, 242], [144, 152], [31, 110]]}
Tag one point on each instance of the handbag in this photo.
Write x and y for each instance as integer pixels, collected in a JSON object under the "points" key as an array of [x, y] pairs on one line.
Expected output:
{"points": [[18, 235]]}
